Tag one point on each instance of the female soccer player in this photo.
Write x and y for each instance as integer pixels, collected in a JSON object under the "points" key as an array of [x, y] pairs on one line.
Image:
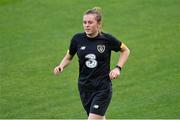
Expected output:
{"points": [[93, 49]]}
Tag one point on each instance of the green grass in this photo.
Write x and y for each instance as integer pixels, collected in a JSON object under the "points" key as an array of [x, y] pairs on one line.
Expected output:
{"points": [[35, 34]]}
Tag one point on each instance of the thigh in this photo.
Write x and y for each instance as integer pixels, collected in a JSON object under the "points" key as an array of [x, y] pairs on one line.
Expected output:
{"points": [[100, 102], [86, 99]]}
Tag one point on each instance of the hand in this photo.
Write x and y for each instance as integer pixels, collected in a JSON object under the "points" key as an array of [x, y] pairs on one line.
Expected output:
{"points": [[58, 69], [114, 73]]}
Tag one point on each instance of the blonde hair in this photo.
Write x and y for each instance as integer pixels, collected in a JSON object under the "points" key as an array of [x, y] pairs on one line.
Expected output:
{"points": [[98, 12]]}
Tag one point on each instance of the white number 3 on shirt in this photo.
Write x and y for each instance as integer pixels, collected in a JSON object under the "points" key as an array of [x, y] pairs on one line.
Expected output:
{"points": [[91, 62]]}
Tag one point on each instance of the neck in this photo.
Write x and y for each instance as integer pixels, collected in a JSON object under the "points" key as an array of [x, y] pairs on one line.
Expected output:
{"points": [[93, 35]]}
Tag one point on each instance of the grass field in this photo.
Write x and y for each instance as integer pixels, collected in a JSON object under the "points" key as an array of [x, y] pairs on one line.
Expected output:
{"points": [[35, 34]]}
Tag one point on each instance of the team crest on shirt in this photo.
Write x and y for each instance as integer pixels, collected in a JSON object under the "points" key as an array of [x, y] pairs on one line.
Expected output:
{"points": [[101, 48]]}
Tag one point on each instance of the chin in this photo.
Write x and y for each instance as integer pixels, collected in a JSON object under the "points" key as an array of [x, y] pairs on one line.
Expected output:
{"points": [[88, 33]]}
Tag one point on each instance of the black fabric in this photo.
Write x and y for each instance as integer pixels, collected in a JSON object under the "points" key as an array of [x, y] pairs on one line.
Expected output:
{"points": [[94, 55], [96, 102], [94, 59]]}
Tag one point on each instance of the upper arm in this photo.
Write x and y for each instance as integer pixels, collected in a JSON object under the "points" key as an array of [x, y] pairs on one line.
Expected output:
{"points": [[123, 48], [69, 56], [114, 43], [73, 45]]}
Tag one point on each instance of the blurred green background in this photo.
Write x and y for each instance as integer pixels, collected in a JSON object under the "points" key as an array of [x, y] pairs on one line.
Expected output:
{"points": [[35, 35]]}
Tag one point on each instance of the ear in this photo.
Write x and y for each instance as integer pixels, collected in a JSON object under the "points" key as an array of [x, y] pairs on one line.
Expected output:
{"points": [[100, 25]]}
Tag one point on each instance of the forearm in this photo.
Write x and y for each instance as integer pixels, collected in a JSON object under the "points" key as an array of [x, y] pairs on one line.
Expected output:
{"points": [[123, 57], [66, 60]]}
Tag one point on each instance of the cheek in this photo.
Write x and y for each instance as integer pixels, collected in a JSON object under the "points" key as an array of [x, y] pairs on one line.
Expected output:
{"points": [[95, 27]]}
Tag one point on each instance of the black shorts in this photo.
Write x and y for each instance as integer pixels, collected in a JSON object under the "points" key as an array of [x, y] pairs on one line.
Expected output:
{"points": [[96, 102]]}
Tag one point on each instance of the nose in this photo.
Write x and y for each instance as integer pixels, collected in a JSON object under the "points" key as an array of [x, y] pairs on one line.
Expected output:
{"points": [[87, 24]]}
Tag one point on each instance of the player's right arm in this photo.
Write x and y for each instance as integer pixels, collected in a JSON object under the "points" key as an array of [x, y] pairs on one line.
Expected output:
{"points": [[65, 62]]}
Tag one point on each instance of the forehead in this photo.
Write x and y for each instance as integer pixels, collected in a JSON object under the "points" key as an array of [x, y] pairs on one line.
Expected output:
{"points": [[89, 17]]}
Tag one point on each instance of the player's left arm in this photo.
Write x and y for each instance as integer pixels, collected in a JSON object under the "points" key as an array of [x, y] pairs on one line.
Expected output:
{"points": [[122, 60], [124, 55]]}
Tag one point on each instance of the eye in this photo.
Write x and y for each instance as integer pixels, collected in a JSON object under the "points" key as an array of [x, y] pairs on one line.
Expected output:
{"points": [[90, 22], [84, 22]]}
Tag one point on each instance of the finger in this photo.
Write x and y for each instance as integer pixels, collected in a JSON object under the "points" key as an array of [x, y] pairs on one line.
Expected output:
{"points": [[114, 75], [110, 75], [56, 71], [111, 78], [117, 74]]}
